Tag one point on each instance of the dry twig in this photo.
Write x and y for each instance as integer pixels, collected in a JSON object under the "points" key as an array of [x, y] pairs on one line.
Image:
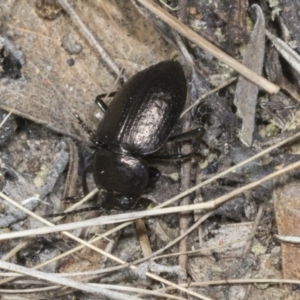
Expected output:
{"points": [[199, 41]]}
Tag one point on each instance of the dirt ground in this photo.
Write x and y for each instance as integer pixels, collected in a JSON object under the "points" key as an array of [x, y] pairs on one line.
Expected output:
{"points": [[240, 238]]}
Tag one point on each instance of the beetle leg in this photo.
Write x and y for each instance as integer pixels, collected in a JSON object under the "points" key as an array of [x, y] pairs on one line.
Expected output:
{"points": [[116, 201], [154, 175], [174, 156], [72, 199], [85, 187], [101, 104], [85, 209], [86, 128], [84, 182], [186, 135], [141, 203], [9, 174]]}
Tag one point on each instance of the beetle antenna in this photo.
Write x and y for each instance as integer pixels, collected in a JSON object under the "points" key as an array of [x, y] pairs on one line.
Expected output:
{"points": [[86, 128]]}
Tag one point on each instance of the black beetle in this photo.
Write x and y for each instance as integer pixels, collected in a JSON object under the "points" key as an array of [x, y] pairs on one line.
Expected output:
{"points": [[138, 121]]}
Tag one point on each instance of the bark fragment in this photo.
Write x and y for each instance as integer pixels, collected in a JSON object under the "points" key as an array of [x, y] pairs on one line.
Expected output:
{"points": [[246, 92]]}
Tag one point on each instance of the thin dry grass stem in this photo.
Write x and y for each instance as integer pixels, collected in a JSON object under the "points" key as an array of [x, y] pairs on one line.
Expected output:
{"points": [[148, 213], [29, 212], [89, 36], [239, 281], [30, 281], [27, 291], [16, 249], [24, 115], [77, 204], [183, 235], [288, 239], [198, 199], [207, 94], [5, 119], [66, 291], [253, 231], [203, 251], [285, 86], [113, 269], [11, 267], [73, 274], [247, 293], [80, 247], [224, 173], [193, 284], [93, 240], [291, 56], [105, 286], [30, 238], [185, 183], [207, 46], [61, 280], [137, 290], [114, 85], [10, 274], [143, 237], [248, 246]]}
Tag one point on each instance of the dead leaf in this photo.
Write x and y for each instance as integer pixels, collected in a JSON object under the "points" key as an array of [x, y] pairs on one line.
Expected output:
{"points": [[49, 89], [246, 92], [291, 56]]}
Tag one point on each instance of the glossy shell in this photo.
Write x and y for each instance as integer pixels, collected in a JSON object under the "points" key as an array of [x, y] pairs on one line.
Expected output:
{"points": [[145, 110], [120, 173]]}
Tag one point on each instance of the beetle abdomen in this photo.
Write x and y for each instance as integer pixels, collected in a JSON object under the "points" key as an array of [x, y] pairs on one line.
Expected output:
{"points": [[144, 112]]}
